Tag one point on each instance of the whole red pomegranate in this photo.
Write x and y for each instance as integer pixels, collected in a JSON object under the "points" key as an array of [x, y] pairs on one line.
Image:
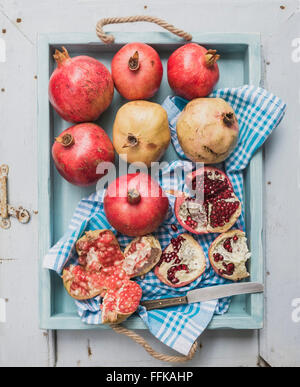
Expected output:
{"points": [[193, 71], [137, 71], [78, 150], [216, 210], [135, 204], [80, 88]]}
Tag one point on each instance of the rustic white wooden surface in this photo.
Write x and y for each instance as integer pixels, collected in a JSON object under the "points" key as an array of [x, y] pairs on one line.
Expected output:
{"points": [[21, 342]]}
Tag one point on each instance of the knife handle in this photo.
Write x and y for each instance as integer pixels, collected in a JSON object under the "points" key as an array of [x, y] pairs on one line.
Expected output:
{"points": [[164, 302]]}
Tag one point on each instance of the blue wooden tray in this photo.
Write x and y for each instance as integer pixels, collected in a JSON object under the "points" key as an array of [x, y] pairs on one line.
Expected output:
{"points": [[239, 64]]}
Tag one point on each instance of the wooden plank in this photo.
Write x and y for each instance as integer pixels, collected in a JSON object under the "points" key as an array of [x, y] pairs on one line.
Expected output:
{"points": [[280, 340], [22, 343], [107, 348]]}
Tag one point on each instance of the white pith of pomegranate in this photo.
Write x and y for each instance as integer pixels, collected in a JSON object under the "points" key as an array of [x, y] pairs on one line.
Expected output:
{"points": [[120, 303], [182, 261], [215, 208], [228, 255], [141, 255], [100, 272]]}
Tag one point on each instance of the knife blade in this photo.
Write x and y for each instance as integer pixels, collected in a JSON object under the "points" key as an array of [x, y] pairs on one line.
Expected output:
{"points": [[205, 294]]}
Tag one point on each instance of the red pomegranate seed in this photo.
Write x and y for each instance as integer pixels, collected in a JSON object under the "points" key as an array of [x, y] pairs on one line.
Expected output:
{"points": [[174, 228]]}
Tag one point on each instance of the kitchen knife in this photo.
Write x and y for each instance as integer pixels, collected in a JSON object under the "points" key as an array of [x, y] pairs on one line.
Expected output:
{"points": [[205, 294]]}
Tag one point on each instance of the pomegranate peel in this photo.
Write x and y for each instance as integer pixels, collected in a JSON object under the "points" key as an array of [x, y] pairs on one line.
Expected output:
{"points": [[141, 255], [228, 255], [219, 209], [181, 263]]}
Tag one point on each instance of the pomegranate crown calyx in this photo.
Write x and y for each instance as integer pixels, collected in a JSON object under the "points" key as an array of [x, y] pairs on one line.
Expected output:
{"points": [[211, 57], [65, 140], [228, 119], [133, 62], [133, 196], [132, 141], [61, 56]]}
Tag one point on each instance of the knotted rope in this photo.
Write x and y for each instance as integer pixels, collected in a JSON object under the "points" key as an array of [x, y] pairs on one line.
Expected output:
{"points": [[132, 19], [157, 355]]}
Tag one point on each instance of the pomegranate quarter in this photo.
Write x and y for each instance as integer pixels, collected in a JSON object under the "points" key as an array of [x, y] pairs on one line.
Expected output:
{"points": [[119, 304], [182, 262], [228, 255], [141, 255], [214, 208]]}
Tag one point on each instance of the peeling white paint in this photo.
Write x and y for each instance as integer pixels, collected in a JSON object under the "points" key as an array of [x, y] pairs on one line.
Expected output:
{"points": [[2, 310]]}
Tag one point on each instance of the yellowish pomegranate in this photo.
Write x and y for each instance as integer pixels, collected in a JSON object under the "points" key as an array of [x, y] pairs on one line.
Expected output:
{"points": [[141, 132], [207, 130]]}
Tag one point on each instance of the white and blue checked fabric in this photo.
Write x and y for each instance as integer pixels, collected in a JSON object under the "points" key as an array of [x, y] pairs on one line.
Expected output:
{"points": [[258, 113]]}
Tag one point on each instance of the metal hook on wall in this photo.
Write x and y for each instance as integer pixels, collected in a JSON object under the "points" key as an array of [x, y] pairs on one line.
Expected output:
{"points": [[6, 210]]}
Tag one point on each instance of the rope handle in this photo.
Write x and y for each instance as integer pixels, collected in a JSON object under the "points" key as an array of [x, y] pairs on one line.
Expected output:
{"points": [[157, 355], [108, 39]]}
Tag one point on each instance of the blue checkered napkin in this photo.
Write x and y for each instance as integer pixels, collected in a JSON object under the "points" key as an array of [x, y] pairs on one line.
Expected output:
{"points": [[258, 113]]}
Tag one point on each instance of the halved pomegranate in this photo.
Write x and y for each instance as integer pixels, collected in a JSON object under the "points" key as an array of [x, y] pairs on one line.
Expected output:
{"points": [[141, 255], [182, 261], [228, 255], [120, 303], [215, 208]]}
